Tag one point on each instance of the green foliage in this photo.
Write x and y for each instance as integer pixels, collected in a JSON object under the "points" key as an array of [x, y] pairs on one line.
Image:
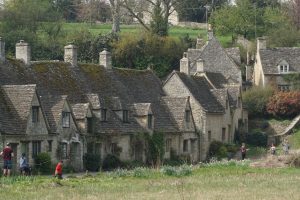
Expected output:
{"points": [[293, 79], [111, 162], [155, 150], [183, 170], [43, 163], [91, 162], [284, 104], [217, 149], [162, 54], [256, 99], [257, 139]]}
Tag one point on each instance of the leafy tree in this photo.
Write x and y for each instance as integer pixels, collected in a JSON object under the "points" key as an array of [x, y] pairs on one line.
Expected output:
{"points": [[293, 79], [158, 25], [68, 8], [256, 100]]}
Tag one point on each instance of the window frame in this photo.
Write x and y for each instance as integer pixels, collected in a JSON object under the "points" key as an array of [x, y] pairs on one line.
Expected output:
{"points": [[35, 114], [168, 145], [223, 134], [64, 150], [66, 124], [185, 146], [103, 114], [150, 121], [125, 116], [89, 124], [50, 145], [36, 148]]}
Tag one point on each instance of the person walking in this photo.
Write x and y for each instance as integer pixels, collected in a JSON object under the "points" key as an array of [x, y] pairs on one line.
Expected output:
{"points": [[58, 169], [7, 155], [273, 149], [243, 151], [24, 167], [285, 146]]}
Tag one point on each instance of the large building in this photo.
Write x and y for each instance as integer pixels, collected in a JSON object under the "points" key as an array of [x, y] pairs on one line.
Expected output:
{"points": [[68, 109]]}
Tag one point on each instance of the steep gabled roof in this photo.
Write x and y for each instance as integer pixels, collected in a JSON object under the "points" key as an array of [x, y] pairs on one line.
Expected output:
{"points": [[221, 96], [80, 110], [53, 107], [216, 59], [271, 57], [17, 100], [141, 109], [234, 94], [200, 89], [235, 54]]}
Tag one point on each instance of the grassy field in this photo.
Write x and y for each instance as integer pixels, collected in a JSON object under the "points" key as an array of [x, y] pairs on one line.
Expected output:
{"points": [[175, 31], [214, 182]]}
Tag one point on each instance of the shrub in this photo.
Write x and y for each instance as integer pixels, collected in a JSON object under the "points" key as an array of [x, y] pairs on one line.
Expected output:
{"points": [[43, 163], [257, 139], [284, 104], [133, 164], [111, 162], [183, 170], [91, 162], [217, 149], [256, 99], [141, 172]]}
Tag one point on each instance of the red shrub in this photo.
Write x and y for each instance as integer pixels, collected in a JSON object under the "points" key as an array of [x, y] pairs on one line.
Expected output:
{"points": [[284, 104]]}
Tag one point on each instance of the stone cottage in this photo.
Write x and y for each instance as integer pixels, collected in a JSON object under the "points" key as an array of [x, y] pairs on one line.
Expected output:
{"points": [[272, 65], [211, 77]]}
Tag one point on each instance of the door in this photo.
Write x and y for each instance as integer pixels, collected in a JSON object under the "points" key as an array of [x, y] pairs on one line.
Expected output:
{"points": [[75, 156], [15, 165]]}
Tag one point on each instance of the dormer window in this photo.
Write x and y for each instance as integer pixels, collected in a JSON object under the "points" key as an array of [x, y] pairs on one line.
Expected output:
{"points": [[283, 67], [150, 121], [66, 119], [103, 114], [187, 118], [89, 124], [35, 114], [125, 116]]}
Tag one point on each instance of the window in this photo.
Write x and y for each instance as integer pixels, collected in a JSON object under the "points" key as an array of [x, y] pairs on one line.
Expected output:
{"points": [[168, 145], [223, 134], [36, 148], [125, 116], [65, 119], [64, 150], [229, 133], [49, 145], [284, 88], [35, 114], [283, 68], [89, 124], [185, 145], [113, 148], [187, 116], [209, 136], [103, 115], [150, 121]]}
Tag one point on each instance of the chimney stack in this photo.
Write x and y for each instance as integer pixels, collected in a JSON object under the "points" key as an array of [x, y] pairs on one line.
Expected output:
{"points": [[23, 52], [105, 59], [261, 43], [184, 64], [70, 55], [200, 65], [2, 50], [210, 33], [200, 43]]}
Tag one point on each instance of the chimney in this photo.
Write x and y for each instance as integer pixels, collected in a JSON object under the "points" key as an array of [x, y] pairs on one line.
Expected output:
{"points": [[70, 55], [105, 59], [184, 64], [261, 43], [210, 33], [2, 50], [200, 65], [23, 52], [200, 43]]}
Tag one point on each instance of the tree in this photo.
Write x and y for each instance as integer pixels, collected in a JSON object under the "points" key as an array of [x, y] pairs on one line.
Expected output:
{"points": [[68, 8], [94, 10], [294, 10], [115, 12]]}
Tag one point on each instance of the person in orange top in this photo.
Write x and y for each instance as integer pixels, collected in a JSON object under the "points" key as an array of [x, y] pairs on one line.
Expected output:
{"points": [[58, 169]]}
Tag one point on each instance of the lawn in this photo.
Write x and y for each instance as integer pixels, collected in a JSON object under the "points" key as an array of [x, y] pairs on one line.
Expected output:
{"points": [[175, 31], [213, 182]]}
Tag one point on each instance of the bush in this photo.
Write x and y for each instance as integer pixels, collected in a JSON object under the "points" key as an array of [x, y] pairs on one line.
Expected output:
{"points": [[217, 149], [183, 170], [284, 104], [133, 164], [141, 172], [91, 162], [256, 100], [257, 139], [111, 162], [43, 163]]}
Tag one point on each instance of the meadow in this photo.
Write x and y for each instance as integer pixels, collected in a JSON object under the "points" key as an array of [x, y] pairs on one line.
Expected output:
{"points": [[215, 181]]}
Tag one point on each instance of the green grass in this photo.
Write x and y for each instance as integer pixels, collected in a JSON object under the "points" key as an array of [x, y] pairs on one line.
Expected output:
{"points": [[175, 31], [214, 182], [294, 139]]}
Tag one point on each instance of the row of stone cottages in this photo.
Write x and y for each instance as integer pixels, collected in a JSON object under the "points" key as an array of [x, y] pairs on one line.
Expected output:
{"points": [[67, 109]]}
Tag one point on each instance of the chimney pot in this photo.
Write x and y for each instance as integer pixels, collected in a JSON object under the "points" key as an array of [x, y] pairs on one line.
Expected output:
{"points": [[184, 64]]}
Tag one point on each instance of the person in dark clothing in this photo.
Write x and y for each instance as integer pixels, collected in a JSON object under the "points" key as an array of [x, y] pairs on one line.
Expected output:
{"points": [[243, 151], [7, 155]]}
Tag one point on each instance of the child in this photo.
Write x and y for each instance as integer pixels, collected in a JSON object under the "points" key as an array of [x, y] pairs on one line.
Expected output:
{"points": [[58, 169], [24, 168]]}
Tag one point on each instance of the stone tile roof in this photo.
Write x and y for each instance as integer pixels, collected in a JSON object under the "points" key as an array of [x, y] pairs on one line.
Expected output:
{"points": [[270, 58], [171, 117], [221, 96], [53, 107], [216, 59], [200, 89], [235, 54], [16, 106], [80, 110], [233, 94]]}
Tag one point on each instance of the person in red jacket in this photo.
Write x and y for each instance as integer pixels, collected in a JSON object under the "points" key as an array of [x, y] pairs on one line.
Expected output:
{"points": [[58, 169], [7, 155]]}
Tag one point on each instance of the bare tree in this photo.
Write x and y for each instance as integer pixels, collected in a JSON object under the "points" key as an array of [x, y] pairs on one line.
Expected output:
{"points": [[295, 5], [115, 12]]}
